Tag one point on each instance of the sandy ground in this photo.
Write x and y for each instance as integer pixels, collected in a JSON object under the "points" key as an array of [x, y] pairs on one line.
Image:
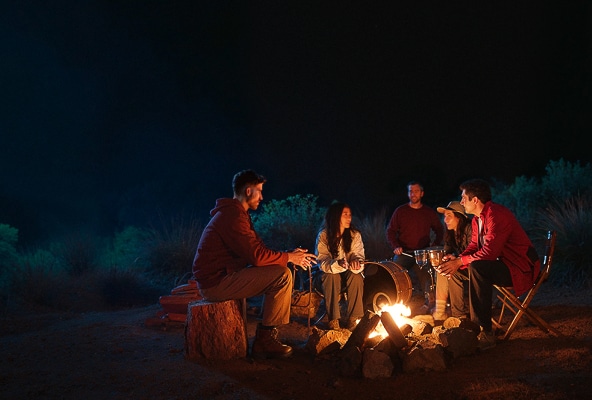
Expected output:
{"points": [[114, 355]]}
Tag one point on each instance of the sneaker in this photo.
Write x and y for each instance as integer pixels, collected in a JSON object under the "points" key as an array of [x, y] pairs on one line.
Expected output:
{"points": [[439, 316], [486, 340], [334, 324]]}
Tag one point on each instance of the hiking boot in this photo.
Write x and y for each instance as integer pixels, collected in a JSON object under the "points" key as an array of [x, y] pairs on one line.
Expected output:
{"points": [[334, 324], [266, 345], [486, 340]]}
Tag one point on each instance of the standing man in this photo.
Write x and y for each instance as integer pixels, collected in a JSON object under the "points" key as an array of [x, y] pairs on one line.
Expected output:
{"points": [[232, 262], [411, 228], [499, 253]]}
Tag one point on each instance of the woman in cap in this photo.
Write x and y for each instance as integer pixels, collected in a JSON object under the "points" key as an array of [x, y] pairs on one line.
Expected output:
{"points": [[456, 239]]}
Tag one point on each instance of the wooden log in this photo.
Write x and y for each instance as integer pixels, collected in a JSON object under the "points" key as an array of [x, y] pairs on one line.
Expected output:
{"points": [[395, 334], [366, 325], [215, 331]]}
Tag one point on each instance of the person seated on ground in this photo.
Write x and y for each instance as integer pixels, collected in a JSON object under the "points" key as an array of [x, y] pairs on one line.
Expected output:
{"points": [[500, 252], [340, 253], [456, 238], [232, 262]]}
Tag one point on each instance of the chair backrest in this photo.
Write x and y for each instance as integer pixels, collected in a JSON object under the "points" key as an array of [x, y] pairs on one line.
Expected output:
{"points": [[548, 257]]}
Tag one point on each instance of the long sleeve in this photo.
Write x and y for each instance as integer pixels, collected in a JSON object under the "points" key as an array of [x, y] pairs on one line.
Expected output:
{"points": [[328, 264]]}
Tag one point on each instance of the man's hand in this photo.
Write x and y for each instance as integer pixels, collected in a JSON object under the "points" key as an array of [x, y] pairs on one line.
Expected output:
{"points": [[302, 258], [449, 267]]}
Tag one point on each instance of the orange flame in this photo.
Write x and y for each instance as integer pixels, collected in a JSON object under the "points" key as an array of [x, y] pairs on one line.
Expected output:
{"points": [[398, 312]]}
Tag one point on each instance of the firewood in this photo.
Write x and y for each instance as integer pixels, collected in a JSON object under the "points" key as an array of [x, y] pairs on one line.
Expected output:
{"points": [[395, 334], [366, 325]]}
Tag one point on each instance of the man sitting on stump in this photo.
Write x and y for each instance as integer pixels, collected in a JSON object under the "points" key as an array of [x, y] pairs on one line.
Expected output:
{"points": [[232, 262]]}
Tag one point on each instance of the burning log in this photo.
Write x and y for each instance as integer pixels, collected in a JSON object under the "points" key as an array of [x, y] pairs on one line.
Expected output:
{"points": [[395, 334], [366, 325], [215, 330], [418, 327], [351, 353]]}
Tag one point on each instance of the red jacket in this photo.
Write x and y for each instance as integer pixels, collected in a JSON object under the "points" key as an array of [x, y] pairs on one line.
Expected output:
{"points": [[504, 239], [229, 243]]}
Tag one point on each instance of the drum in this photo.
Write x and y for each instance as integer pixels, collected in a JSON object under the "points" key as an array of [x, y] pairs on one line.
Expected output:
{"points": [[385, 283]]}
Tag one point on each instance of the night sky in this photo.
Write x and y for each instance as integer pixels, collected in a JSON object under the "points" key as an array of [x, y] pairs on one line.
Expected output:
{"points": [[122, 112]]}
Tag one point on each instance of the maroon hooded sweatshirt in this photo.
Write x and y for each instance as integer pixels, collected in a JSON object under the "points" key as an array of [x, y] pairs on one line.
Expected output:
{"points": [[229, 243]]}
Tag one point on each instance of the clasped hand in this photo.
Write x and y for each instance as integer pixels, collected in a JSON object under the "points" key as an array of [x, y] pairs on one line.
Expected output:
{"points": [[302, 258], [354, 265], [449, 266]]}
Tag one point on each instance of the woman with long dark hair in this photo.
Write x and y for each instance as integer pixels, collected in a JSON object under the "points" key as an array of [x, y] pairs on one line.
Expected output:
{"points": [[340, 254]]}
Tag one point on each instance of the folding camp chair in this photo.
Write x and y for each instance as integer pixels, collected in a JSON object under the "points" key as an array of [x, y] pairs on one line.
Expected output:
{"points": [[518, 306]]}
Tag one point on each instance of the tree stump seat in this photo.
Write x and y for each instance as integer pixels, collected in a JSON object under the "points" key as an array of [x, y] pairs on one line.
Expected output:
{"points": [[216, 330]]}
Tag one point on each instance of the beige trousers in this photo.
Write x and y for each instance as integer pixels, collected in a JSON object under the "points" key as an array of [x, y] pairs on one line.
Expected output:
{"points": [[274, 282]]}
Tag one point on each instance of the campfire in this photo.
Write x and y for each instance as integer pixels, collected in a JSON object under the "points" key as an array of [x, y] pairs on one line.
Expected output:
{"points": [[390, 340], [399, 313]]}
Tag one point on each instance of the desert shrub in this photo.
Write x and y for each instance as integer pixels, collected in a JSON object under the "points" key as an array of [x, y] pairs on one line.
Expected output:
{"points": [[373, 228], [39, 280], [124, 288], [572, 219], [43, 283], [564, 179], [560, 200], [8, 256], [523, 197], [172, 249], [129, 250], [78, 253], [289, 223], [527, 196]]}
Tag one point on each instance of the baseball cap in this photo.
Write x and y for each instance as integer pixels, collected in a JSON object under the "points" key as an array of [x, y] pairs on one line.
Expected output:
{"points": [[453, 206]]}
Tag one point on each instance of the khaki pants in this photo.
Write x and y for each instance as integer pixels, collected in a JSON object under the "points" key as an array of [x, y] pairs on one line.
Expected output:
{"points": [[354, 288], [274, 282]]}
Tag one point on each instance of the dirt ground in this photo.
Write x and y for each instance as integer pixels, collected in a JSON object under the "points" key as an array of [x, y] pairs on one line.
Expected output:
{"points": [[114, 355]]}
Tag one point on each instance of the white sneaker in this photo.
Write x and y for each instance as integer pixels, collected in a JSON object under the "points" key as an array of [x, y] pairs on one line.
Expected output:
{"points": [[439, 316], [486, 340]]}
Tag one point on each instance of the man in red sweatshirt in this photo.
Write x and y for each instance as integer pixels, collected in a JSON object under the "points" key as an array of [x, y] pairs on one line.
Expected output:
{"points": [[232, 262]]}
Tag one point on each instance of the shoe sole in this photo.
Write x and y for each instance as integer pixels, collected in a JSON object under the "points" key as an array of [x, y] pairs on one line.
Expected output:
{"points": [[270, 356]]}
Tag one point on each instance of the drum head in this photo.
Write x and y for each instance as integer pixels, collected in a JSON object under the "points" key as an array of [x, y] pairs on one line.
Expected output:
{"points": [[385, 283]]}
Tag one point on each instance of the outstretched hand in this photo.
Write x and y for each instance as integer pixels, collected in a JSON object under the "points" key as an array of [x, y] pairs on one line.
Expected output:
{"points": [[302, 258]]}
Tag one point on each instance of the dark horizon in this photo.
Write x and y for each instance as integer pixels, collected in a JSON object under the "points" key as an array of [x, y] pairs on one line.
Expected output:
{"points": [[118, 114]]}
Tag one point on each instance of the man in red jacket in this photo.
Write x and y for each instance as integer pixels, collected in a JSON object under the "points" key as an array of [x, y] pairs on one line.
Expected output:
{"points": [[499, 253], [232, 262]]}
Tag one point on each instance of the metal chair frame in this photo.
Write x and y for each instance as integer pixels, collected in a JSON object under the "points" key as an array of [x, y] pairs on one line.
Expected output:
{"points": [[519, 306]]}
